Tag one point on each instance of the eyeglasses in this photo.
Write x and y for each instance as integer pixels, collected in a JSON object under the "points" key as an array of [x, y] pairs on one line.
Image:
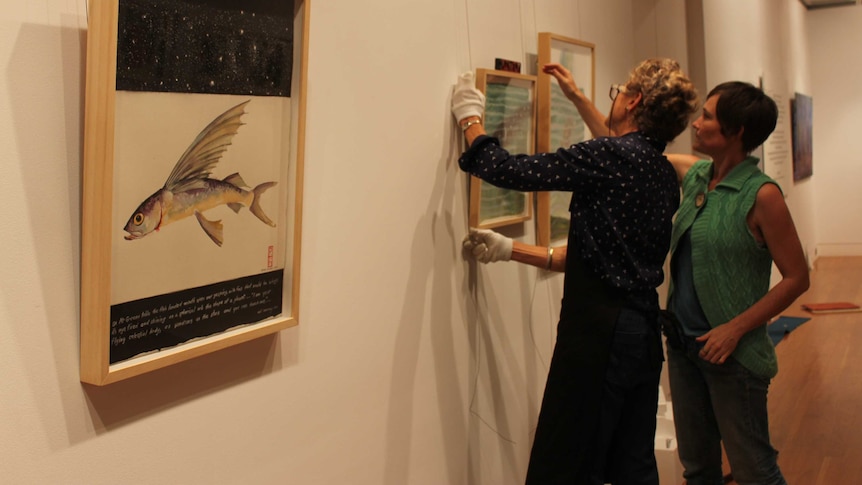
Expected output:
{"points": [[616, 89]]}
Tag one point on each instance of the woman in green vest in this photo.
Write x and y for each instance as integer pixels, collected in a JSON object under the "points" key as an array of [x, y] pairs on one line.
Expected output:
{"points": [[731, 226]]}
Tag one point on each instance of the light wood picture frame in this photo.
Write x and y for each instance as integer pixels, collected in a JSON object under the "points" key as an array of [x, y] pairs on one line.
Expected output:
{"points": [[510, 115], [560, 125], [211, 258]]}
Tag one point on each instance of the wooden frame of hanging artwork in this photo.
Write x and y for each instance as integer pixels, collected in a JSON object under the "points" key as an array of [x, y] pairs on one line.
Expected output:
{"points": [[559, 124], [510, 115], [154, 294]]}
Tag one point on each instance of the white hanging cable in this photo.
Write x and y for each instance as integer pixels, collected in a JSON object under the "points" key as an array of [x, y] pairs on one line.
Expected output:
{"points": [[655, 29], [523, 36], [580, 31], [466, 34], [545, 365], [480, 322]]}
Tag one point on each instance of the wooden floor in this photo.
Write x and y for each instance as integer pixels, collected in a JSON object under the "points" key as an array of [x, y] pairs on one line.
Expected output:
{"points": [[814, 420]]}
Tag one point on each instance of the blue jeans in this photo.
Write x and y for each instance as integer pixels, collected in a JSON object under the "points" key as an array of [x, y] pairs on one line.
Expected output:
{"points": [[714, 403], [630, 403]]}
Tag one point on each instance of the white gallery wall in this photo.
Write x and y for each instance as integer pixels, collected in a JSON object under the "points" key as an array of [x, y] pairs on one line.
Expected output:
{"points": [[765, 40], [834, 36], [410, 365]]}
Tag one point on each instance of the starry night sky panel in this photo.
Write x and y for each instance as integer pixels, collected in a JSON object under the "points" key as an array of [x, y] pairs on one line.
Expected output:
{"points": [[199, 46]]}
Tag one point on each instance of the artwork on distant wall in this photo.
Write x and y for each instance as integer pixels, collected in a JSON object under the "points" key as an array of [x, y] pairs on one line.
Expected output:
{"points": [[191, 222], [777, 150], [803, 127], [510, 115], [560, 125]]}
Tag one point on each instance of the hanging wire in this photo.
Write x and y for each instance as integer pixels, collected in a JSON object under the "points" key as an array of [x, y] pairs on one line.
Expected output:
{"points": [[580, 31], [655, 28], [532, 323], [523, 34], [469, 42], [481, 322], [476, 413]]}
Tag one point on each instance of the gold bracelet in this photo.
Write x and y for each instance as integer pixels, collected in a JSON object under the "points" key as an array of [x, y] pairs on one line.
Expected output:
{"points": [[470, 123], [550, 258]]}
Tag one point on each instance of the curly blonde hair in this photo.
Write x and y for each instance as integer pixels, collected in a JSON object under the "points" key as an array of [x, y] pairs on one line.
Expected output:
{"points": [[669, 98]]}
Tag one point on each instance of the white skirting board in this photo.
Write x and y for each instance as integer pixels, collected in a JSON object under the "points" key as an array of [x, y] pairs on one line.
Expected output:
{"points": [[838, 249], [666, 455]]}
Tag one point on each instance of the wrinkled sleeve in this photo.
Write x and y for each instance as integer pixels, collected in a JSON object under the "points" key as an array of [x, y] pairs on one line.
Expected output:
{"points": [[583, 166]]}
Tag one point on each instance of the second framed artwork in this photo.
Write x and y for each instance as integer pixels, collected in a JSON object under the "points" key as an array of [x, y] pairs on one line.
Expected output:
{"points": [[510, 116], [560, 125]]}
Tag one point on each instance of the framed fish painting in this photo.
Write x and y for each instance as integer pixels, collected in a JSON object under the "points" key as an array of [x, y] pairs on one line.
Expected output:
{"points": [[560, 125], [193, 155], [510, 115]]}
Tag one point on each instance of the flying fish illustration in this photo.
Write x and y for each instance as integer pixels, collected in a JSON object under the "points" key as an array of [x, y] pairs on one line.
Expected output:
{"points": [[189, 190]]}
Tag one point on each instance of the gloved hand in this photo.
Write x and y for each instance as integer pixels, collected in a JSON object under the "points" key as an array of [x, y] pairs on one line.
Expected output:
{"points": [[488, 246], [467, 101]]}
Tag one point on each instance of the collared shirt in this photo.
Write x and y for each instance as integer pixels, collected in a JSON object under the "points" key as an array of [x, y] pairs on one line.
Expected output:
{"points": [[624, 195], [683, 302]]}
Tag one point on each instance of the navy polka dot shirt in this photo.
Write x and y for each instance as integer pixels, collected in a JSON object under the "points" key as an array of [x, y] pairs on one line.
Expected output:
{"points": [[624, 195]]}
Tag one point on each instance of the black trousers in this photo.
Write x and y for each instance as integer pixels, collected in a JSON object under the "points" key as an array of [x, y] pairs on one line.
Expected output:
{"points": [[598, 415]]}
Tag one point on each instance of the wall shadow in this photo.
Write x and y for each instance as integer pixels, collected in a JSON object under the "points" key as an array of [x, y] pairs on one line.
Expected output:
{"points": [[46, 78]]}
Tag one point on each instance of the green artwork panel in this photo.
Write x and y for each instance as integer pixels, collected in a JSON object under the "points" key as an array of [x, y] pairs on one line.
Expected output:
{"points": [[567, 128], [508, 117]]}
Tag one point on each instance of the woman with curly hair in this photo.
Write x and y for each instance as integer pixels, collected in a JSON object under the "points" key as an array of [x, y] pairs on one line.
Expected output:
{"points": [[598, 415]]}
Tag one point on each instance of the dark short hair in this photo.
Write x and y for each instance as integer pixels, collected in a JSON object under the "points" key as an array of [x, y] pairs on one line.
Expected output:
{"points": [[742, 106]]}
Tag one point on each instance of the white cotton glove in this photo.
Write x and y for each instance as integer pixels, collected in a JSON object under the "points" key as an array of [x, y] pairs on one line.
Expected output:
{"points": [[467, 101], [488, 246]]}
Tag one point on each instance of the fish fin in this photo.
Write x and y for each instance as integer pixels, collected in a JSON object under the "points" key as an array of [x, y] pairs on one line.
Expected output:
{"points": [[235, 180], [235, 206], [255, 203], [212, 228], [191, 184], [206, 150]]}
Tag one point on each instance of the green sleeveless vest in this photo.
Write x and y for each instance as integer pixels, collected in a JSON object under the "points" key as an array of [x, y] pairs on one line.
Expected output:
{"points": [[731, 271]]}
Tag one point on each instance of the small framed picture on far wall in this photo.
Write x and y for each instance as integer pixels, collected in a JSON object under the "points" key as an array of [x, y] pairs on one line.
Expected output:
{"points": [[802, 121]]}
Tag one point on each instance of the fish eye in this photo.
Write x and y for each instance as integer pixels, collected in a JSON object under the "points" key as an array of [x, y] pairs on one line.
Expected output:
{"points": [[138, 219]]}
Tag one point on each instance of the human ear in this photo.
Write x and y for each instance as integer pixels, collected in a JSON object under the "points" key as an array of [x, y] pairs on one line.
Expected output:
{"points": [[634, 101]]}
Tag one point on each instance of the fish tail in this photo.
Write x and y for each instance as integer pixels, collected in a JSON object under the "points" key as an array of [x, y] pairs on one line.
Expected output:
{"points": [[255, 203]]}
